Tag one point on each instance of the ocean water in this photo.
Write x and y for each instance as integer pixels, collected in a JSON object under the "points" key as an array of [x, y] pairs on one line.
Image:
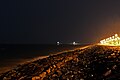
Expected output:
{"points": [[13, 54]]}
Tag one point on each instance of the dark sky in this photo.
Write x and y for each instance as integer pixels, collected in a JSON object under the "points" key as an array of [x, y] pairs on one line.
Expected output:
{"points": [[49, 21]]}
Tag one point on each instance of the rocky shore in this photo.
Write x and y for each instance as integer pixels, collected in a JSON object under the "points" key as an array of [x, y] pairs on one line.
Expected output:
{"points": [[91, 63]]}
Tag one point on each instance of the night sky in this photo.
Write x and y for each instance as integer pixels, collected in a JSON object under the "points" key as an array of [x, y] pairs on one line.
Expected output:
{"points": [[49, 21]]}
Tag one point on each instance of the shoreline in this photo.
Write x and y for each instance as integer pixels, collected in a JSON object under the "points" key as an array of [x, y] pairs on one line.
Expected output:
{"points": [[26, 61]]}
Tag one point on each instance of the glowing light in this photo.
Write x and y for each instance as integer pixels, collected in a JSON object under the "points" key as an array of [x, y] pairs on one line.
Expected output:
{"points": [[116, 35], [113, 37], [74, 43], [110, 38], [58, 43], [111, 41]]}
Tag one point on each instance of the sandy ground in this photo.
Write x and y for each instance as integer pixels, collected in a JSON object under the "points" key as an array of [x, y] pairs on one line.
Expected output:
{"points": [[11, 63]]}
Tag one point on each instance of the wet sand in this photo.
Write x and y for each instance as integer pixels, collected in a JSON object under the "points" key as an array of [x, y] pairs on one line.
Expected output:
{"points": [[9, 63], [86, 63]]}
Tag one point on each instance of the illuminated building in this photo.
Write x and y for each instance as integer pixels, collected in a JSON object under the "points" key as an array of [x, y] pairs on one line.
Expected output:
{"points": [[111, 41]]}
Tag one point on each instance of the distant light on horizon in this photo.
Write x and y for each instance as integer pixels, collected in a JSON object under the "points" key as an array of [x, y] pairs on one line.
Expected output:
{"points": [[58, 43], [74, 43], [111, 41]]}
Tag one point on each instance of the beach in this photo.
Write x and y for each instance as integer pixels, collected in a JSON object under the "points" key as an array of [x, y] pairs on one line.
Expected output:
{"points": [[13, 55]]}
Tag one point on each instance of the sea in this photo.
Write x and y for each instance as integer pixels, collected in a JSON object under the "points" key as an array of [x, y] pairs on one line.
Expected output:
{"points": [[12, 55]]}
